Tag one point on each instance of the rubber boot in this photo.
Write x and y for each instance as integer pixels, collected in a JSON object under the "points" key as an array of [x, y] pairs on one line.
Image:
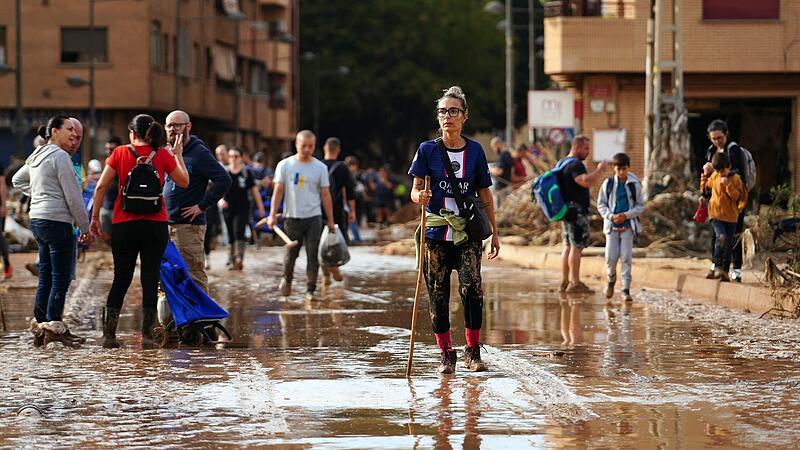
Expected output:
{"points": [[148, 321], [110, 322], [238, 259]]}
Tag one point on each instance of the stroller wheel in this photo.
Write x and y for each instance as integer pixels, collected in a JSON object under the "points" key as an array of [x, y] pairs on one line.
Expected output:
{"points": [[192, 336]]}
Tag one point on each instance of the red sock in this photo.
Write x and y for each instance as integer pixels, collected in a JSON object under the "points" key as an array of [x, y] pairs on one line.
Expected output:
{"points": [[444, 341], [473, 337]]}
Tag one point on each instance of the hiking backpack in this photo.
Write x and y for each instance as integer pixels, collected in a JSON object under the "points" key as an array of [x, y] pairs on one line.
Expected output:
{"points": [[142, 192], [749, 167], [547, 193]]}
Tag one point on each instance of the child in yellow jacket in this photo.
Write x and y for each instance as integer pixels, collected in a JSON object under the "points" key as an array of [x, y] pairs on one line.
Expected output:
{"points": [[728, 197]]}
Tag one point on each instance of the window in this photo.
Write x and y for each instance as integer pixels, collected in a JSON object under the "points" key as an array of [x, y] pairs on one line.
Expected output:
{"points": [[155, 45], [165, 53], [741, 9], [75, 44], [3, 46], [258, 78], [196, 59], [209, 63], [277, 92]]}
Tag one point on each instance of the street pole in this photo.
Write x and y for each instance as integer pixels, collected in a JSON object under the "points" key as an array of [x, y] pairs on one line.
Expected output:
{"points": [[316, 100], [237, 139], [509, 75], [85, 152], [649, 94], [19, 125], [531, 61]]}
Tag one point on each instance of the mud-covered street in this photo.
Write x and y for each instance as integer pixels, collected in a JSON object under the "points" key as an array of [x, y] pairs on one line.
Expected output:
{"points": [[571, 372]]}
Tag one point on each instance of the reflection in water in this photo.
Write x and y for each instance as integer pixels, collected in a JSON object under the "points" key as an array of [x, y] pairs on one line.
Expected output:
{"points": [[572, 372]]}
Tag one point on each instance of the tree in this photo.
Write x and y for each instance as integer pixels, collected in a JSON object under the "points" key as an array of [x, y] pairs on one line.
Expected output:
{"points": [[401, 55]]}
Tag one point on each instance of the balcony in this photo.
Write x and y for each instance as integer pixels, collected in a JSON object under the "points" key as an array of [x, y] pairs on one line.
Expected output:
{"points": [[281, 3], [591, 8]]}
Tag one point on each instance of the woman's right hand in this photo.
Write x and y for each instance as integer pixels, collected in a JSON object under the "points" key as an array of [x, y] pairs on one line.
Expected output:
{"points": [[94, 227], [424, 197]]}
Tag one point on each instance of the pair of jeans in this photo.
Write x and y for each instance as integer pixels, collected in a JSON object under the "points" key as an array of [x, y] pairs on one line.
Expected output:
{"points": [[129, 240], [307, 232], [724, 236], [56, 258]]}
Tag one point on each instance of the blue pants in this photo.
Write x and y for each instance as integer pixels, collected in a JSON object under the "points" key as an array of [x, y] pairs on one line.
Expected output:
{"points": [[724, 236], [56, 259]]}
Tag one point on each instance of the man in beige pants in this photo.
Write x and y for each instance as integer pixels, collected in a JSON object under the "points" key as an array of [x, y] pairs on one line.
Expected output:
{"points": [[186, 206]]}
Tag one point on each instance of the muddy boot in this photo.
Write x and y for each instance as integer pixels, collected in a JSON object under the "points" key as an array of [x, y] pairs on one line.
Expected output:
{"points": [[55, 332], [626, 295], [148, 321], [472, 359], [448, 364], [73, 337], [110, 322], [38, 334], [609, 290]]}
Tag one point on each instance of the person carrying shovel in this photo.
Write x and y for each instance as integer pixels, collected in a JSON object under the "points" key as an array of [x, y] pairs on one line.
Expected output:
{"points": [[304, 181], [447, 246]]}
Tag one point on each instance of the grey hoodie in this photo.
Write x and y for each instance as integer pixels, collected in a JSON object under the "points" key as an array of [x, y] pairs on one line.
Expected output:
{"points": [[49, 180]]}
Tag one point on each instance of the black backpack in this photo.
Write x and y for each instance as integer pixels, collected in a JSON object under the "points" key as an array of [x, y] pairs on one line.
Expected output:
{"points": [[142, 193]]}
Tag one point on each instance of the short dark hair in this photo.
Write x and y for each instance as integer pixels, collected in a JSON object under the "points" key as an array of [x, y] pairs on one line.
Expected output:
{"points": [[717, 125], [621, 160], [333, 143], [720, 161], [116, 141], [259, 157]]}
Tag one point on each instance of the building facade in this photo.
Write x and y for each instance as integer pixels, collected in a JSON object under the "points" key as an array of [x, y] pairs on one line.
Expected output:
{"points": [[741, 63], [230, 64]]}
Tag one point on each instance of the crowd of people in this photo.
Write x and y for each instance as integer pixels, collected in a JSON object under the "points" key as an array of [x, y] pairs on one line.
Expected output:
{"points": [[166, 184]]}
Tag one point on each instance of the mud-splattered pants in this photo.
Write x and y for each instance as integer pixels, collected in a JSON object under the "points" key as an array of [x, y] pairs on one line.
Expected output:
{"points": [[442, 258]]}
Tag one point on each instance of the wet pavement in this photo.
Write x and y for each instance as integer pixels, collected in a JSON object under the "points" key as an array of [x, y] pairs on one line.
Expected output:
{"points": [[569, 372]]}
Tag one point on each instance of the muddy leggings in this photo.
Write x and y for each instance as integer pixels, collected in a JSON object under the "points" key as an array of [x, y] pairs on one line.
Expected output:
{"points": [[145, 239], [443, 257]]}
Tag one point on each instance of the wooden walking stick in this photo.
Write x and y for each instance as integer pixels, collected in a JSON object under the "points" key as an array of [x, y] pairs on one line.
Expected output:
{"points": [[420, 262]]}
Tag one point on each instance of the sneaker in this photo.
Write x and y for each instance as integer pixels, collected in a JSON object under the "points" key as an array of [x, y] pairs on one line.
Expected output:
{"points": [[33, 269], [8, 271], [472, 359], [720, 274], [736, 275], [710, 275], [626, 295], [578, 287], [564, 285], [448, 364], [285, 287]]}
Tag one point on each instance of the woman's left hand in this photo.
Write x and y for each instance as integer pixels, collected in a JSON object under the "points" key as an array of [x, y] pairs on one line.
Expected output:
{"points": [[495, 250]]}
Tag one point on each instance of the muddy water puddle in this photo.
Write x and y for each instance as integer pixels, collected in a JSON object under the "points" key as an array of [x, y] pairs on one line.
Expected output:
{"points": [[564, 372]]}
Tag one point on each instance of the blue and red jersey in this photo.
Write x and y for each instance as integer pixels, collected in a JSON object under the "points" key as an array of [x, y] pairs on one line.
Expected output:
{"points": [[471, 172]]}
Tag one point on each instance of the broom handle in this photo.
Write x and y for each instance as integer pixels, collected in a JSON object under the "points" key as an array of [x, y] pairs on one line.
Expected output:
{"points": [[419, 283]]}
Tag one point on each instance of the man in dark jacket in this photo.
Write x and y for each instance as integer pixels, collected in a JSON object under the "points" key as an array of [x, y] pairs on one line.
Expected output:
{"points": [[186, 206], [720, 143]]}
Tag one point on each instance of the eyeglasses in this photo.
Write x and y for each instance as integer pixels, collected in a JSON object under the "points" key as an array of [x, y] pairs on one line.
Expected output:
{"points": [[170, 126], [452, 112]]}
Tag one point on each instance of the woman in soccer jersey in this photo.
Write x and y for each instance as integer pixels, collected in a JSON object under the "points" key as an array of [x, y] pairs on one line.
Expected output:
{"points": [[443, 254]]}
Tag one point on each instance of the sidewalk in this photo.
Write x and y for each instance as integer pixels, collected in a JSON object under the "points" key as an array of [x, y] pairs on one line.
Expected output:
{"points": [[684, 275]]}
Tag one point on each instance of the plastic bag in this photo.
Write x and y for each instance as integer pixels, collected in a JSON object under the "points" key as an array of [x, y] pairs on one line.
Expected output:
{"points": [[332, 249], [701, 214]]}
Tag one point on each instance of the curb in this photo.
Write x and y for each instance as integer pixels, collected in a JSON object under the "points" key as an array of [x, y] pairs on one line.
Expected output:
{"points": [[733, 295]]}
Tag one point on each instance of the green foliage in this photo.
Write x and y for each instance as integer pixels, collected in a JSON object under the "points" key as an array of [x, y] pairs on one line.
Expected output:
{"points": [[401, 55]]}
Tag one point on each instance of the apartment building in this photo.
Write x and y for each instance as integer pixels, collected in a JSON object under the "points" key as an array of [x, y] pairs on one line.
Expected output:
{"points": [[741, 63], [230, 64]]}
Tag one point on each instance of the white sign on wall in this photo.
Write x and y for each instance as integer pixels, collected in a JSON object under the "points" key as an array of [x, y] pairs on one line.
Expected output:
{"points": [[551, 109], [607, 143]]}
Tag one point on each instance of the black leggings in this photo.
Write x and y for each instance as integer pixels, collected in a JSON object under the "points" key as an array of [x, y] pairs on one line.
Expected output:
{"points": [[128, 241], [3, 243], [236, 220], [443, 257]]}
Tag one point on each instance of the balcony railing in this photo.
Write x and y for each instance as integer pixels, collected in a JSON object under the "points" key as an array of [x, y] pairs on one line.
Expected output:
{"points": [[591, 8]]}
